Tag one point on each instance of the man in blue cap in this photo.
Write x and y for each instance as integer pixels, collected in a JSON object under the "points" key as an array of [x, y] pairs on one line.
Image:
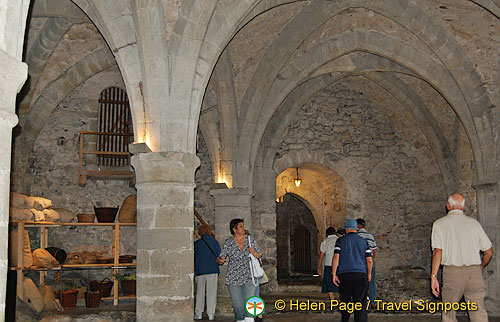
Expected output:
{"points": [[351, 270]]}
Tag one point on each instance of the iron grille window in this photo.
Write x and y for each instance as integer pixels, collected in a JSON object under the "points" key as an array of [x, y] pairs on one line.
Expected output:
{"points": [[114, 117]]}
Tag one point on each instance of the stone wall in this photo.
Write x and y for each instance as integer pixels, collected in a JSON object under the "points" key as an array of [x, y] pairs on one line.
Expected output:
{"points": [[54, 166], [386, 182], [54, 169]]}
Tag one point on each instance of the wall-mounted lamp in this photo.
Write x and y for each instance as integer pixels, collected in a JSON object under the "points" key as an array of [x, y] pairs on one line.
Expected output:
{"points": [[297, 179]]}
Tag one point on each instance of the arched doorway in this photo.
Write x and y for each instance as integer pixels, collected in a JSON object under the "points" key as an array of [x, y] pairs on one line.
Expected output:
{"points": [[297, 238]]}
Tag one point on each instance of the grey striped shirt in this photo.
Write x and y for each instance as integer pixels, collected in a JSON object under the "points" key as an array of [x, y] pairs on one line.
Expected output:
{"points": [[369, 238]]}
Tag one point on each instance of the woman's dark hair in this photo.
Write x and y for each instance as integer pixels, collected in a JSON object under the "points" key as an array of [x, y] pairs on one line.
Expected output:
{"points": [[330, 231], [233, 224]]}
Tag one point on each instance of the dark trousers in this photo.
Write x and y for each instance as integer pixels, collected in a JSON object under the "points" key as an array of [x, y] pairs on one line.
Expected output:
{"points": [[354, 288]]}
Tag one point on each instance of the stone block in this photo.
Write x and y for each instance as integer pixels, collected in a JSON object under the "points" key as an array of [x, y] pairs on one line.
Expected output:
{"points": [[165, 286], [268, 220], [122, 29], [165, 194], [172, 264], [151, 309], [174, 217], [172, 239], [145, 217], [143, 261]]}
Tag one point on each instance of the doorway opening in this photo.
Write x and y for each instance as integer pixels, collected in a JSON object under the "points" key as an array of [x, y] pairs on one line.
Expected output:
{"points": [[297, 241]]}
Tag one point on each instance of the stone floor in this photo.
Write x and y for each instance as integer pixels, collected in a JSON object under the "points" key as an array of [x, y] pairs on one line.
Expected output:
{"points": [[372, 317], [382, 313], [125, 312]]}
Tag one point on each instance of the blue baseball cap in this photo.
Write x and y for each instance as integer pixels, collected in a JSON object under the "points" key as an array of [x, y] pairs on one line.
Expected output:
{"points": [[350, 224]]}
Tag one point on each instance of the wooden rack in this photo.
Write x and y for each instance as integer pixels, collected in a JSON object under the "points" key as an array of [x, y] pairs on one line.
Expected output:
{"points": [[109, 169], [43, 225]]}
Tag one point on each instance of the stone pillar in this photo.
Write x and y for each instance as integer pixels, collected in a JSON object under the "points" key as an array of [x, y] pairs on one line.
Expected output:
{"points": [[264, 223], [12, 78], [488, 214], [165, 199], [264, 227], [229, 204]]}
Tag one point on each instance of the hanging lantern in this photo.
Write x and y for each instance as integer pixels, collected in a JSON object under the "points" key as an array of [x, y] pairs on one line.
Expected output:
{"points": [[297, 179]]}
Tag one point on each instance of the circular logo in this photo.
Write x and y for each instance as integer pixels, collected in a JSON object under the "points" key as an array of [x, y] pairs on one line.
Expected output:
{"points": [[255, 306]]}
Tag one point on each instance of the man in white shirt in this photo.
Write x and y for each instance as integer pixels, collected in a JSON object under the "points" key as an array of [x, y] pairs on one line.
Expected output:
{"points": [[326, 252], [456, 242]]}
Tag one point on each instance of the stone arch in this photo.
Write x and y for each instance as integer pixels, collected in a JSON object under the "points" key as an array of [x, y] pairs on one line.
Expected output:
{"points": [[489, 5], [474, 106], [197, 49], [39, 54], [301, 69], [222, 83], [119, 31], [320, 171], [209, 128], [275, 130], [50, 97]]}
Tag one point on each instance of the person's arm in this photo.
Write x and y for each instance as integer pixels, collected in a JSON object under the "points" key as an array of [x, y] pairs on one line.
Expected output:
{"points": [[374, 248], [223, 254], [320, 262], [369, 264], [217, 247], [488, 254], [255, 253], [335, 264], [437, 255]]}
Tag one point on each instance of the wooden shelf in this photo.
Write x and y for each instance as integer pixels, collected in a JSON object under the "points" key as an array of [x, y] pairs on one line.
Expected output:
{"points": [[82, 266], [43, 225], [52, 224], [126, 297]]}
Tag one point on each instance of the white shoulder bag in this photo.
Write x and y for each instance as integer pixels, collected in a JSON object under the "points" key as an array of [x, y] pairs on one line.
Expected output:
{"points": [[255, 269]]}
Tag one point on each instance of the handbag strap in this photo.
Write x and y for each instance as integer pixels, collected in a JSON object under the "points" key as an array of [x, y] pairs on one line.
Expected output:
{"points": [[250, 245], [249, 241], [211, 250], [254, 280]]}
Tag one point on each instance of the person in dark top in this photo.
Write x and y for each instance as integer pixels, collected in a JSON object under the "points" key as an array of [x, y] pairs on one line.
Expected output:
{"points": [[206, 268], [351, 270]]}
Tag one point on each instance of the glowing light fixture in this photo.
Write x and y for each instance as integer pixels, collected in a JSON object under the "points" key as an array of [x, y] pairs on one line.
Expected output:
{"points": [[297, 179]]}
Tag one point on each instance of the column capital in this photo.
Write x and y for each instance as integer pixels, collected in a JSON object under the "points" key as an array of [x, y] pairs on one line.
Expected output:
{"points": [[14, 72], [8, 119], [169, 166], [232, 197]]}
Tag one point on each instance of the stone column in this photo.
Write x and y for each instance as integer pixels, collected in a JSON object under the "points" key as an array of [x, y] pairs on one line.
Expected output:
{"points": [[165, 199], [12, 78], [229, 204], [264, 227], [264, 223], [488, 209]]}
